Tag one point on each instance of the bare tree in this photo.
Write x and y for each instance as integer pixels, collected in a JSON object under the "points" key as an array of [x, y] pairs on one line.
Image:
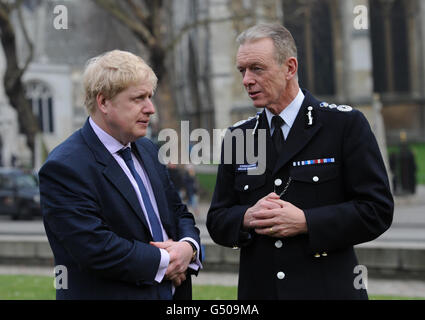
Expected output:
{"points": [[12, 80], [147, 20]]}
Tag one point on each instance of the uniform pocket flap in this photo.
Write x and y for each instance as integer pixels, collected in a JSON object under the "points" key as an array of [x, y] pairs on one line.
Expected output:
{"points": [[314, 174]]}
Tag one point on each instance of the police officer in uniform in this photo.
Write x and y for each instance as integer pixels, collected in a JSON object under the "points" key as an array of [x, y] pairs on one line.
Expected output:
{"points": [[324, 188]]}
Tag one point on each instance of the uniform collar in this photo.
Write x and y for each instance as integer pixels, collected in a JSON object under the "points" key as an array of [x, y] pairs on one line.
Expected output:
{"points": [[290, 113]]}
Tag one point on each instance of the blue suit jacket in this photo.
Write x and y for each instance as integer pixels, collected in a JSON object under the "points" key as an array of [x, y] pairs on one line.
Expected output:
{"points": [[95, 224]]}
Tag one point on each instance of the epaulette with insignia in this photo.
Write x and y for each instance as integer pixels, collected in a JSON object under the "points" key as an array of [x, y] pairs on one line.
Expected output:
{"points": [[342, 108], [239, 123]]}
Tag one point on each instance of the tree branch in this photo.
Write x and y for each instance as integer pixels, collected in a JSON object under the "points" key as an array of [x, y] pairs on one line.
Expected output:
{"points": [[27, 40], [138, 12], [204, 22], [137, 28]]}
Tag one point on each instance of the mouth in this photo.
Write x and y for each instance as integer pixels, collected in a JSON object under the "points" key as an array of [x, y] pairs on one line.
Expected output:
{"points": [[143, 122], [254, 94]]}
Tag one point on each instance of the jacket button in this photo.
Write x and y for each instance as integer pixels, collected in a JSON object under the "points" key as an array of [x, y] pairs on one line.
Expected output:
{"points": [[280, 275], [246, 187], [278, 182], [278, 244], [316, 179]]}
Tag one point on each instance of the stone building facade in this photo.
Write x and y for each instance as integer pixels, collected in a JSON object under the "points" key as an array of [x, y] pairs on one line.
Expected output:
{"points": [[382, 65]]}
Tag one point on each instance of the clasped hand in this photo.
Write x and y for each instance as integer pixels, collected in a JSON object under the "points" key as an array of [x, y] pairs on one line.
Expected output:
{"points": [[274, 217], [180, 256]]}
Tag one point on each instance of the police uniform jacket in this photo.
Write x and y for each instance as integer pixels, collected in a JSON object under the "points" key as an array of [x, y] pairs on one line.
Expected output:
{"points": [[345, 197]]}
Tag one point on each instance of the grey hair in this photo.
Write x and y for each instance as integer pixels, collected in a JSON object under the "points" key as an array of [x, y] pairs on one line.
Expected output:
{"points": [[283, 41]]}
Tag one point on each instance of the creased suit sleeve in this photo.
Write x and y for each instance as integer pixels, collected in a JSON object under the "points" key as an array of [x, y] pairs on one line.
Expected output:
{"points": [[71, 214], [225, 216], [368, 211]]}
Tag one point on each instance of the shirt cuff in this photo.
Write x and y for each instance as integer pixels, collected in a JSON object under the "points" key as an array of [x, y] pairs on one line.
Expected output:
{"points": [[163, 265]]}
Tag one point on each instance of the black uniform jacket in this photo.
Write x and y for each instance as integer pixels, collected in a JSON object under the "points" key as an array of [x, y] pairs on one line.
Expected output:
{"points": [[346, 201]]}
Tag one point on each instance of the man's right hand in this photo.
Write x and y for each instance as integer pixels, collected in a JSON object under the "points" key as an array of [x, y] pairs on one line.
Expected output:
{"points": [[265, 203]]}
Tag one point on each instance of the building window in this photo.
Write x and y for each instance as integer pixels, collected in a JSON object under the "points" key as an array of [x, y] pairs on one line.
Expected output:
{"points": [[390, 48], [41, 100], [310, 23]]}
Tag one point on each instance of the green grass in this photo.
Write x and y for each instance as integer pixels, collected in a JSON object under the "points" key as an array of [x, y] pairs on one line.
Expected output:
{"points": [[207, 182], [214, 293], [25, 287]]}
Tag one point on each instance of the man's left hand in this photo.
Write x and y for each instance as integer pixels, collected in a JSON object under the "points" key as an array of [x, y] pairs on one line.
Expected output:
{"points": [[180, 256]]}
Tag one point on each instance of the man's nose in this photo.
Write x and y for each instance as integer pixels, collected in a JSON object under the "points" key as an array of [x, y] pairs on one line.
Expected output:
{"points": [[248, 78], [148, 107]]}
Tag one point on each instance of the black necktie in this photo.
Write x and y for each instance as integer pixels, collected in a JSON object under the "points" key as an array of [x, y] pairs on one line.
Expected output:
{"points": [[277, 137]]}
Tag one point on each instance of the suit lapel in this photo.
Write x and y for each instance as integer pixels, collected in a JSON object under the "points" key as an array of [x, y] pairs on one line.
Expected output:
{"points": [[299, 135], [112, 171], [117, 177], [157, 187]]}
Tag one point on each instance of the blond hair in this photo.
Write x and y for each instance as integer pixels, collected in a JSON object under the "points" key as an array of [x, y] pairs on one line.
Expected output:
{"points": [[112, 72]]}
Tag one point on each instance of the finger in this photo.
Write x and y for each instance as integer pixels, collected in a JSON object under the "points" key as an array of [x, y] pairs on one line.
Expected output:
{"points": [[267, 214], [270, 204], [269, 231], [272, 195], [178, 280], [279, 202], [263, 223], [162, 245]]}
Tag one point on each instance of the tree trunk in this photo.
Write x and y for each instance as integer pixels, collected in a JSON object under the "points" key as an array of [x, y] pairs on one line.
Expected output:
{"points": [[13, 85], [165, 105]]}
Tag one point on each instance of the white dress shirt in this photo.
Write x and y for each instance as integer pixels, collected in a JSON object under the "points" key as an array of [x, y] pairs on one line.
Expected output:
{"points": [[288, 114]]}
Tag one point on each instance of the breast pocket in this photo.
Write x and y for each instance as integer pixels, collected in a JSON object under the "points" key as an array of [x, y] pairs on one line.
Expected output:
{"points": [[316, 185], [250, 187]]}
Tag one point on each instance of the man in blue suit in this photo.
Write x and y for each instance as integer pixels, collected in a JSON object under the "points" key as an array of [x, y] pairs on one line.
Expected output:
{"points": [[111, 214]]}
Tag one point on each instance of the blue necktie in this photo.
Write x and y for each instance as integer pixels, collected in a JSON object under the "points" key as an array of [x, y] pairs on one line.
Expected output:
{"points": [[153, 218], [164, 287]]}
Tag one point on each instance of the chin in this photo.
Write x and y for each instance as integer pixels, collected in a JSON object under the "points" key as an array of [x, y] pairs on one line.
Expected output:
{"points": [[140, 133], [259, 104]]}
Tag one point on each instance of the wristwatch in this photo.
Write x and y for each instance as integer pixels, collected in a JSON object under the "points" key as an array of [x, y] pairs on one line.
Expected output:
{"points": [[195, 251]]}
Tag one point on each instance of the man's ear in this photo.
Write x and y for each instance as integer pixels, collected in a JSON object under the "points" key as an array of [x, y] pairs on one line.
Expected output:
{"points": [[292, 65], [101, 102]]}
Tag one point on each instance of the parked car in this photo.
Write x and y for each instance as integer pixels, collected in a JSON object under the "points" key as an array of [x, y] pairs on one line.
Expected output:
{"points": [[19, 194]]}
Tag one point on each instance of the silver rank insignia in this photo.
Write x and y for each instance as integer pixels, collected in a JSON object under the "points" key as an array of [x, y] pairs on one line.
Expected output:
{"points": [[345, 108], [342, 108], [309, 120]]}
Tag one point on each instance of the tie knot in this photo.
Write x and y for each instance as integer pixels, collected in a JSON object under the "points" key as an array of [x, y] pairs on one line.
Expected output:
{"points": [[125, 154], [277, 122]]}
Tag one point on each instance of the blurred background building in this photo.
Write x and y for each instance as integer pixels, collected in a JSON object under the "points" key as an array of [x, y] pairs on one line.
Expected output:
{"points": [[379, 69]]}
